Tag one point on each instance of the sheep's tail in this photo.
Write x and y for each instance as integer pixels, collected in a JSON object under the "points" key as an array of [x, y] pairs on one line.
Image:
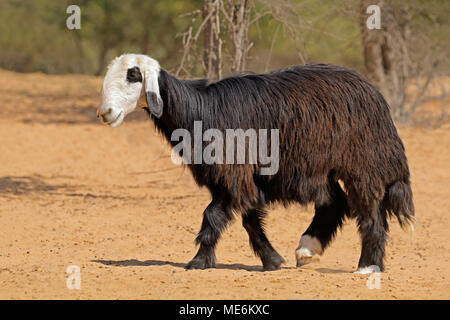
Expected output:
{"points": [[398, 202]]}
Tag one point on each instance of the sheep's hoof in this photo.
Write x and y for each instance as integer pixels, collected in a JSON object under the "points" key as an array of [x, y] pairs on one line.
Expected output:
{"points": [[200, 263], [308, 250], [274, 263], [302, 260], [305, 256]]}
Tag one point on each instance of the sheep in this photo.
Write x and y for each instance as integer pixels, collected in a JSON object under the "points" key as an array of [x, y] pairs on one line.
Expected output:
{"points": [[338, 148]]}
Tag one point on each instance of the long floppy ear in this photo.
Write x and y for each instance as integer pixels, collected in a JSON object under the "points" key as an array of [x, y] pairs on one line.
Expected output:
{"points": [[152, 95]]}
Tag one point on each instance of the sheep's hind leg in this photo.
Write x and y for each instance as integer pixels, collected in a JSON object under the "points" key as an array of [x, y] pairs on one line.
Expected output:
{"points": [[253, 223], [215, 219], [327, 219], [373, 228]]}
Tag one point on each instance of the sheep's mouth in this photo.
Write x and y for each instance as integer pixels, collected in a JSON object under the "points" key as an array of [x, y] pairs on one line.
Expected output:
{"points": [[117, 120]]}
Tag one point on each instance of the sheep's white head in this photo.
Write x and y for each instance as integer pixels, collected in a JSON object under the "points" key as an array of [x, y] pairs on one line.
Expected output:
{"points": [[130, 82]]}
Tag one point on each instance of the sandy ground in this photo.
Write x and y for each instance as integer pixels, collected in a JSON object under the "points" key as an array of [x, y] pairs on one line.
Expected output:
{"points": [[74, 192]]}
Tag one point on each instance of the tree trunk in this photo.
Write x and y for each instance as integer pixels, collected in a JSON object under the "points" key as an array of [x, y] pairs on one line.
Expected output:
{"points": [[212, 54], [386, 54], [80, 50], [239, 14]]}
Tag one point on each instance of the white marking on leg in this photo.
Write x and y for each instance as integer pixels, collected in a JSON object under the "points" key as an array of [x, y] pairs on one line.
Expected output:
{"points": [[308, 247], [368, 270]]}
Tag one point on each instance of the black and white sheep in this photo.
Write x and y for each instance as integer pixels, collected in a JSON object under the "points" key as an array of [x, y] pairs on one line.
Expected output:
{"points": [[333, 126]]}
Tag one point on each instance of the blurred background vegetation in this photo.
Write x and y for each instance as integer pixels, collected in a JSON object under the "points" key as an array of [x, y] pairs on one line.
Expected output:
{"points": [[34, 36]]}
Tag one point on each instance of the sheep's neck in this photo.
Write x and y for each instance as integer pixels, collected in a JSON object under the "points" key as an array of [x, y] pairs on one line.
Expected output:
{"points": [[183, 101]]}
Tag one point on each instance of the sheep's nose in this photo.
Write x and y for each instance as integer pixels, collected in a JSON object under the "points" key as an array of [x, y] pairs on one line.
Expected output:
{"points": [[104, 114]]}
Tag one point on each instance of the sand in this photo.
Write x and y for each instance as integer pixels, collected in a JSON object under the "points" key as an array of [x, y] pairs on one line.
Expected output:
{"points": [[74, 192]]}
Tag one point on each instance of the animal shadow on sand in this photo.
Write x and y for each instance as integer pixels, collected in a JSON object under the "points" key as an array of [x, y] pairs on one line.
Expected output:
{"points": [[36, 184], [234, 266], [20, 185], [147, 263], [328, 270]]}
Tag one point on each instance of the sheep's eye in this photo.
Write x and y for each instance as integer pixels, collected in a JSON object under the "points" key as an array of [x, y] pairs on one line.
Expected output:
{"points": [[134, 75]]}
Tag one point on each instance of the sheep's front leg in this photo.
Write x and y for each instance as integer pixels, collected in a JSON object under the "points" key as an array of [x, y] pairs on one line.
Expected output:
{"points": [[253, 222], [215, 219]]}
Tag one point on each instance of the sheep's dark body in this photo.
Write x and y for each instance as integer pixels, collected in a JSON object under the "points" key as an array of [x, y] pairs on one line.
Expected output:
{"points": [[333, 125]]}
